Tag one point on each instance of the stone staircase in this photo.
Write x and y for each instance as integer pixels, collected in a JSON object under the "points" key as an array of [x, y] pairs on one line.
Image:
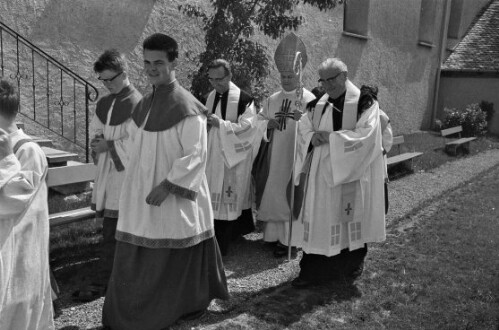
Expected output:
{"points": [[66, 175]]}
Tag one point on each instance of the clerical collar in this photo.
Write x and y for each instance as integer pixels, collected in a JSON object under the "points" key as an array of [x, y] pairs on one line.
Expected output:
{"points": [[165, 107], [123, 102], [337, 100], [293, 92], [166, 88], [124, 91]]}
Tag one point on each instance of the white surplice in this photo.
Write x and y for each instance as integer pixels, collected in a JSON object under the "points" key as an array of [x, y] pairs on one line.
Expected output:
{"points": [[274, 207], [178, 155], [25, 292], [108, 180], [344, 200], [230, 157]]}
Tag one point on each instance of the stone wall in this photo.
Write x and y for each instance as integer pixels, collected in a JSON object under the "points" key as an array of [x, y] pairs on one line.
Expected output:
{"points": [[458, 92], [77, 31]]}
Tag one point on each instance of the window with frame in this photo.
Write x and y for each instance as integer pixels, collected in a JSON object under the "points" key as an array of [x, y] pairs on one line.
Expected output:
{"points": [[455, 20], [427, 23], [356, 18]]}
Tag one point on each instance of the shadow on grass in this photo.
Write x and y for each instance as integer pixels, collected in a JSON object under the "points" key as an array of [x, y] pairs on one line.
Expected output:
{"points": [[278, 307], [285, 304]]}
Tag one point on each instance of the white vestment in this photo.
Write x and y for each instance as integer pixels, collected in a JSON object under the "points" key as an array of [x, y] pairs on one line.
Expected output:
{"points": [[176, 158], [230, 157], [343, 205], [108, 180], [25, 292], [274, 207]]}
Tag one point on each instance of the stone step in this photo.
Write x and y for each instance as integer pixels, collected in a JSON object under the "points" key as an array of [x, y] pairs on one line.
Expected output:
{"points": [[58, 157], [43, 142], [71, 178], [67, 217]]}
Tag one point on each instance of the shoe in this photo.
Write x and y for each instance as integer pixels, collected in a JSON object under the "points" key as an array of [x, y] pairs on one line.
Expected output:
{"points": [[356, 273], [193, 315], [89, 293], [300, 283], [282, 250]]}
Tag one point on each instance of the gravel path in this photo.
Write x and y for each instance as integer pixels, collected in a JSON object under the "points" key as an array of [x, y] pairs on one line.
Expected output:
{"points": [[253, 274], [413, 191]]}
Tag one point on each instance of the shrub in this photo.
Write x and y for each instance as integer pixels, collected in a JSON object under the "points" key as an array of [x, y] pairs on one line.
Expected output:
{"points": [[488, 108], [473, 120]]}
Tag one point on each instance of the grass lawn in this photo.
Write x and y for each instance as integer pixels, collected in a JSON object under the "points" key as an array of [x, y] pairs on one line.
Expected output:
{"points": [[436, 270]]}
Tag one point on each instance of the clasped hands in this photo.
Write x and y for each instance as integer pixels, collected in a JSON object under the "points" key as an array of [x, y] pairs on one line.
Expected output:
{"points": [[320, 138], [99, 144], [212, 120]]}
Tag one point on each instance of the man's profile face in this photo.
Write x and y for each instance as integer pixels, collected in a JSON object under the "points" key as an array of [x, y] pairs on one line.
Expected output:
{"points": [[114, 81], [219, 79], [333, 81], [289, 81], [157, 67]]}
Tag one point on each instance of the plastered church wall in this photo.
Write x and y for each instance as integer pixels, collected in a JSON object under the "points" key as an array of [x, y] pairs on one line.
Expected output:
{"points": [[77, 31]]}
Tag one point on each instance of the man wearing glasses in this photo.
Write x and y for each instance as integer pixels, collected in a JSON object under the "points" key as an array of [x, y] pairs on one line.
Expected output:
{"points": [[343, 207], [232, 133], [108, 130]]}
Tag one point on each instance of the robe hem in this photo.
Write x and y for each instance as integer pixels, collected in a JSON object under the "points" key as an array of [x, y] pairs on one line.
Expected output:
{"points": [[105, 213], [161, 243], [351, 247]]}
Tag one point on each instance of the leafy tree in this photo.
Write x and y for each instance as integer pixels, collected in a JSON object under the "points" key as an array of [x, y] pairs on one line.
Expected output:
{"points": [[229, 28]]}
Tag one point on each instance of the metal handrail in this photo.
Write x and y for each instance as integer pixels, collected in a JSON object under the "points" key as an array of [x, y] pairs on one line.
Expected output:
{"points": [[91, 92]]}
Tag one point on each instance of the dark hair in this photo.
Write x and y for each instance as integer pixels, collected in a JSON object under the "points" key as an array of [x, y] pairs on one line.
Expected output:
{"points": [[220, 63], [112, 60], [368, 94], [160, 41], [9, 101]]}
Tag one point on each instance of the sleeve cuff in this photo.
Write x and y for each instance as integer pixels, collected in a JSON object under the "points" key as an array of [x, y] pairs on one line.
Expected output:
{"points": [[114, 156], [178, 190]]}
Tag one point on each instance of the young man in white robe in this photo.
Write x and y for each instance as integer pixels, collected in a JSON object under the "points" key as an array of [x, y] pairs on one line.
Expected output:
{"points": [[340, 149], [25, 292], [278, 116], [231, 137], [167, 263], [108, 130]]}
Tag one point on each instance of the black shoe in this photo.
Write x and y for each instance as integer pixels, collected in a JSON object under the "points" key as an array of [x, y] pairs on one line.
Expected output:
{"points": [[300, 283], [193, 315], [356, 273], [282, 250]]}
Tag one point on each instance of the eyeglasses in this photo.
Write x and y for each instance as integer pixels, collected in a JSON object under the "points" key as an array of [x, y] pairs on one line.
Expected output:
{"points": [[109, 79], [328, 80], [216, 79]]}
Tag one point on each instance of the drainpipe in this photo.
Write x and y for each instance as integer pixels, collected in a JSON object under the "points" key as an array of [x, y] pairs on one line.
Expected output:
{"points": [[443, 45]]}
